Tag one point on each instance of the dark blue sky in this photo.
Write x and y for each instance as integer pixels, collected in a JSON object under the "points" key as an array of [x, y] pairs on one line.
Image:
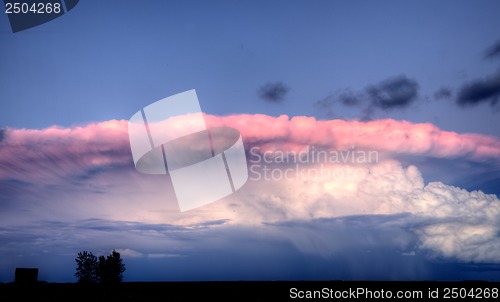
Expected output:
{"points": [[426, 210]]}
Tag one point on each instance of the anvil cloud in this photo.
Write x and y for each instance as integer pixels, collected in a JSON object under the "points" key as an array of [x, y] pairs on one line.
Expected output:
{"points": [[86, 172], [58, 150]]}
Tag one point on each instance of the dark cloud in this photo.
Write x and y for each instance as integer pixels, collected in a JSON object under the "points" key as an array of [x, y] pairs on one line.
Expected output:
{"points": [[394, 93], [397, 92], [273, 92], [443, 93], [350, 99], [486, 90], [368, 247], [347, 98], [2, 134], [493, 51], [326, 104]]}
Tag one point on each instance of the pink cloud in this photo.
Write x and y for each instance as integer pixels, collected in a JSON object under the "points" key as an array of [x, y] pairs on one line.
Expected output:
{"points": [[54, 155], [56, 151], [388, 135]]}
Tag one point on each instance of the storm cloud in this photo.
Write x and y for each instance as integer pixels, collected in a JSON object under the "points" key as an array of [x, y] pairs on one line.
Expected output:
{"points": [[387, 204], [486, 90], [273, 92]]}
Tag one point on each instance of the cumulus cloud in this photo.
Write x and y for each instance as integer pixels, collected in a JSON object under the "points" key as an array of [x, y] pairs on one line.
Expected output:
{"points": [[448, 221], [273, 92], [80, 152], [465, 225], [52, 173], [486, 90]]}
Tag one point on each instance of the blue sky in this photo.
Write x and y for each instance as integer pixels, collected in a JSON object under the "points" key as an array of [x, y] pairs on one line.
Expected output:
{"points": [[104, 60], [64, 82]]}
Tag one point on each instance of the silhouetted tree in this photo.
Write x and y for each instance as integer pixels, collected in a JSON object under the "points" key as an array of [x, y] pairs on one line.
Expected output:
{"points": [[86, 267], [104, 270], [113, 268]]}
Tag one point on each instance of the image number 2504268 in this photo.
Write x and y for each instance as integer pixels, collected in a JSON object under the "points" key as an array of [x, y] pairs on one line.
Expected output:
{"points": [[27, 14]]}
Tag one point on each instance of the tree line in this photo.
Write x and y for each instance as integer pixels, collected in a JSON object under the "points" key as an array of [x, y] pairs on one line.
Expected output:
{"points": [[104, 270]]}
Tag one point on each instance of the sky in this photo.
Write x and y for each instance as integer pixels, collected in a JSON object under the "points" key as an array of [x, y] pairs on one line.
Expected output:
{"points": [[415, 84]]}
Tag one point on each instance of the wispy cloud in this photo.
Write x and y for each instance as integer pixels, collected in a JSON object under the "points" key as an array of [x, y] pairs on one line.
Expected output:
{"points": [[493, 51], [443, 93]]}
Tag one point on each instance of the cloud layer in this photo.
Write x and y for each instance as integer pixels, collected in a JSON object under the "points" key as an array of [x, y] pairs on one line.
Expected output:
{"points": [[79, 173], [396, 137], [61, 152]]}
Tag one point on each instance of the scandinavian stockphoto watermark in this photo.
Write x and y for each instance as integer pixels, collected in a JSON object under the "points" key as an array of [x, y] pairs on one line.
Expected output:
{"points": [[170, 137], [311, 163], [206, 164]]}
